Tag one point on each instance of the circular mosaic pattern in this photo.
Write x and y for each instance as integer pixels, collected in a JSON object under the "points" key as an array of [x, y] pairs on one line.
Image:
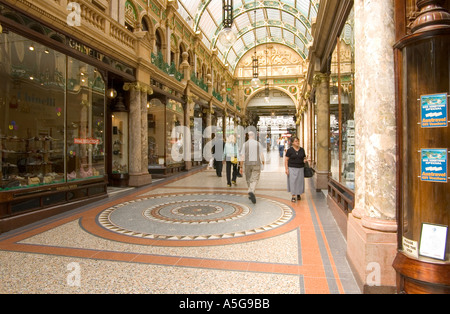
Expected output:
{"points": [[195, 216], [196, 211]]}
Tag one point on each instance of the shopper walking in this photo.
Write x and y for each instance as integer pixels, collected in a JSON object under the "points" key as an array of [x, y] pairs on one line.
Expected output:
{"points": [[252, 160], [230, 157], [281, 143], [217, 151], [295, 169]]}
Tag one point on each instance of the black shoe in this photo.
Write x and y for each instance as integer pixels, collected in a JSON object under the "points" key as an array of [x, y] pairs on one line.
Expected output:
{"points": [[294, 200], [252, 197], [299, 197]]}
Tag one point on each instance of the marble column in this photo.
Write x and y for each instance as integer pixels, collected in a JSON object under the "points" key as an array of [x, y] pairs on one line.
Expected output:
{"points": [[322, 83], [135, 134], [375, 113], [144, 135], [371, 228], [138, 134]]}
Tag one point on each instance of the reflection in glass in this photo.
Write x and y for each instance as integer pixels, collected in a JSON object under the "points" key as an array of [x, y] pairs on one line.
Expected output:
{"points": [[342, 109], [32, 92], [85, 121]]}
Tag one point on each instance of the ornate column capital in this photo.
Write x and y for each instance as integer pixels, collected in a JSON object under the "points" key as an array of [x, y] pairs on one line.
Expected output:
{"points": [[320, 78], [138, 86]]}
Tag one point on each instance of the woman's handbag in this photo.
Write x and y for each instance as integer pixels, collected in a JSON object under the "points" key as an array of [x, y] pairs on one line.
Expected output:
{"points": [[234, 160], [309, 172]]}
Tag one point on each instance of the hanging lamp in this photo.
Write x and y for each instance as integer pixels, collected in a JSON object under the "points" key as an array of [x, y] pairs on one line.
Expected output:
{"points": [[227, 37], [256, 82]]}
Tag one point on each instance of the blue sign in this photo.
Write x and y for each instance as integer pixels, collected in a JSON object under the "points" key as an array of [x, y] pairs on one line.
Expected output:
{"points": [[434, 111], [434, 165]]}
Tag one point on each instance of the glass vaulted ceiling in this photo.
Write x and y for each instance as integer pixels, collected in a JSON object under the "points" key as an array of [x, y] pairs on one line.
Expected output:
{"points": [[286, 22]]}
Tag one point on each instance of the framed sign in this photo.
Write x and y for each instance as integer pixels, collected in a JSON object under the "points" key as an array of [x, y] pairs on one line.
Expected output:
{"points": [[433, 165], [434, 111], [433, 241]]}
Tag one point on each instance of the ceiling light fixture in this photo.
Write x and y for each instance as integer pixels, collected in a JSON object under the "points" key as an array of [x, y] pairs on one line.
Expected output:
{"points": [[227, 37], [256, 82], [267, 90]]}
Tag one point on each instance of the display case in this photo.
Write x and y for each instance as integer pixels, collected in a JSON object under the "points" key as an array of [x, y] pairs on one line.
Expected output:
{"points": [[119, 139], [51, 130], [423, 261], [164, 115]]}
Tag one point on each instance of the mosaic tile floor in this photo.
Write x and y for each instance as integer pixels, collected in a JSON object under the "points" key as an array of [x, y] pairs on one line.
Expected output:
{"points": [[187, 234]]}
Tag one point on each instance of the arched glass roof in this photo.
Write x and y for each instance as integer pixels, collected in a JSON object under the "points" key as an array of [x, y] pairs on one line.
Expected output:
{"points": [[287, 22]]}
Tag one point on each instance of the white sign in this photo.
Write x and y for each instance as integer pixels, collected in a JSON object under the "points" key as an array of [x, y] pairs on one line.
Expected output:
{"points": [[410, 247], [433, 241]]}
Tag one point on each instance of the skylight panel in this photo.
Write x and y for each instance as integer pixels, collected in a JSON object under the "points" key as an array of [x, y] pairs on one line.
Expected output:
{"points": [[273, 14], [287, 18]]}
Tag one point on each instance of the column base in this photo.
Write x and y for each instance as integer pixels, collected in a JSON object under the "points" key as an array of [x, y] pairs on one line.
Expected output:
{"points": [[137, 180], [321, 180], [370, 254]]}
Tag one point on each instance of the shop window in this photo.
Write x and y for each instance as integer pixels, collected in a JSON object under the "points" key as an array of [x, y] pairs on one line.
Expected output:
{"points": [[37, 95], [156, 133], [85, 121], [342, 110], [174, 118], [162, 119], [32, 95]]}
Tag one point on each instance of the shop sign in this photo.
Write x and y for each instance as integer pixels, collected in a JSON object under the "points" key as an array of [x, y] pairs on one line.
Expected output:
{"points": [[85, 49], [434, 165], [434, 109], [86, 141]]}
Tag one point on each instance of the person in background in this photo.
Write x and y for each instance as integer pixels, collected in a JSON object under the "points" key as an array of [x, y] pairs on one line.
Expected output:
{"points": [[230, 157], [295, 166], [281, 143], [217, 151], [252, 160]]}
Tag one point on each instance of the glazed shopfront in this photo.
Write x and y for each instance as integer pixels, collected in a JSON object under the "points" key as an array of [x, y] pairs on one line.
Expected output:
{"points": [[52, 122]]}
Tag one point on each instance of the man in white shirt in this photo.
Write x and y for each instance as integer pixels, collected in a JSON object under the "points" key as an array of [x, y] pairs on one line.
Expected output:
{"points": [[251, 160]]}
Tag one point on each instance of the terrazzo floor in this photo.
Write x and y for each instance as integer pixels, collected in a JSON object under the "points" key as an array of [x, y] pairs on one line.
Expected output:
{"points": [[189, 234]]}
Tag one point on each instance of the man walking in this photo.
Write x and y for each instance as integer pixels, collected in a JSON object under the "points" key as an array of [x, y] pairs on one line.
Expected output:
{"points": [[251, 160]]}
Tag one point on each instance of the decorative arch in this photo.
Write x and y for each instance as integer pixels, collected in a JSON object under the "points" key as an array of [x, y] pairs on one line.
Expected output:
{"points": [[256, 92], [145, 17]]}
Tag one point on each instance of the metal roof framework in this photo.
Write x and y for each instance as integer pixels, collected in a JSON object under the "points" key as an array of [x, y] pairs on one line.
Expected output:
{"points": [[287, 22]]}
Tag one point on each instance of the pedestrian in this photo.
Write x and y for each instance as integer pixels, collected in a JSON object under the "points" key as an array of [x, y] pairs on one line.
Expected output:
{"points": [[281, 143], [217, 151], [230, 157], [295, 169], [252, 160]]}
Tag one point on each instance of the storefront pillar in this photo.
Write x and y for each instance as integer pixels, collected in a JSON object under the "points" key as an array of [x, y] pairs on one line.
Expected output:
{"points": [[138, 160], [321, 81], [372, 227], [144, 130]]}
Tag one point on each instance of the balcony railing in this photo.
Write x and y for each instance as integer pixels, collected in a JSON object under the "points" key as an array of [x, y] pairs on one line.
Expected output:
{"points": [[199, 82], [158, 60]]}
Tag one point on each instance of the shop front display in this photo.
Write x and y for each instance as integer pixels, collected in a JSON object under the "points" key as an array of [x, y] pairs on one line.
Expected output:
{"points": [[119, 139], [164, 115], [51, 129], [341, 183]]}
